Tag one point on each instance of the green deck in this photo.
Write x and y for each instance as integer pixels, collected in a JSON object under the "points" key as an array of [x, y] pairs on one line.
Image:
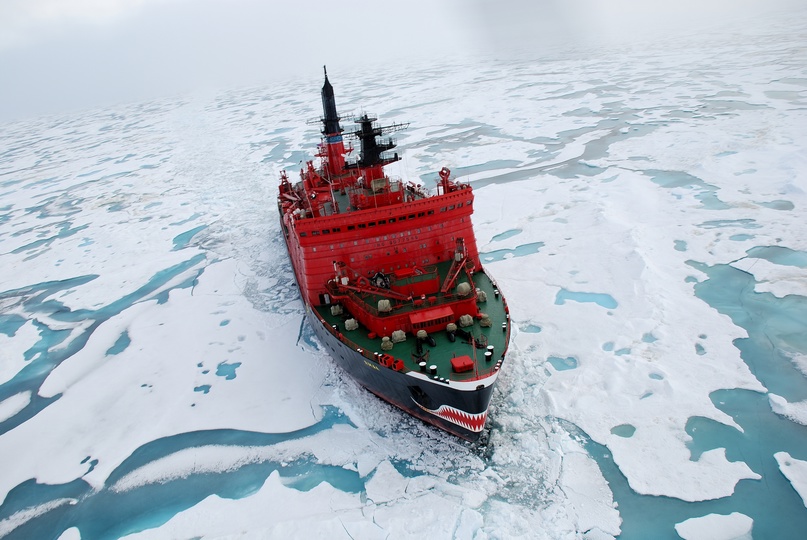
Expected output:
{"points": [[445, 350]]}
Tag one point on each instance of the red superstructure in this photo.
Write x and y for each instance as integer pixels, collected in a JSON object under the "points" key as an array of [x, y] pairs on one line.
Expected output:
{"points": [[391, 243], [397, 260]]}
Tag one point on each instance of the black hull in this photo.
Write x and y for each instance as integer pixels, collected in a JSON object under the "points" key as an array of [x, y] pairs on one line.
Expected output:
{"points": [[420, 397]]}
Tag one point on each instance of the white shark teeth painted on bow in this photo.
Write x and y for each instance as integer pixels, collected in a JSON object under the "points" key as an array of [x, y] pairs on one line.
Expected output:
{"points": [[471, 421]]}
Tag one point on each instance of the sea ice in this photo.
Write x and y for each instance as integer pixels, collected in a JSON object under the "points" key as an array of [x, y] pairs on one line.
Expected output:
{"points": [[653, 298], [588, 498], [13, 349], [20, 517], [274, 511], [70, 534], [797, 412], [116, 404], [774, 278], [734, 526], [14, 404], [795, 470]]}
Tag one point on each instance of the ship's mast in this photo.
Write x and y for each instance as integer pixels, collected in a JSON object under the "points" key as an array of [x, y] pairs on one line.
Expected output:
{"points": [[334, 145], [371, 159]]}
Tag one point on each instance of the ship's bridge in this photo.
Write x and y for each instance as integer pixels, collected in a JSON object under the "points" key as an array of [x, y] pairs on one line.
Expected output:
{"points": [[376, 193]]}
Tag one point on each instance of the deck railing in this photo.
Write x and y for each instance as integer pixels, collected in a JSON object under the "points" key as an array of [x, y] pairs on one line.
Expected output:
{"points": [[398, 306]]}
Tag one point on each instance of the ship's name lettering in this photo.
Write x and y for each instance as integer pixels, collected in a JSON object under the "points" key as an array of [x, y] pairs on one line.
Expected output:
{"points": [[370, 364]]}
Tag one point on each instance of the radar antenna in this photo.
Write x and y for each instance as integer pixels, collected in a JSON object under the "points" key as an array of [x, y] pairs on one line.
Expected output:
{"points": [[372, 148]]}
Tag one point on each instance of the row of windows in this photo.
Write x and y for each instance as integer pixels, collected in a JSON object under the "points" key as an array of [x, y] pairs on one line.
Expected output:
{"points": [[392, 237], [426, 324], [384, 221]]}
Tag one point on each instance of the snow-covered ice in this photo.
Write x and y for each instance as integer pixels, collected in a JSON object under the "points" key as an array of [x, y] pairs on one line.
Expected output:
{"points": [[795, 470], [796, 412], [734, 526]]}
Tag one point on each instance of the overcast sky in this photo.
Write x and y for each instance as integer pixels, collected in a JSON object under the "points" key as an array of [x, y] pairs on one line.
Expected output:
{"points": [[60, 55]]}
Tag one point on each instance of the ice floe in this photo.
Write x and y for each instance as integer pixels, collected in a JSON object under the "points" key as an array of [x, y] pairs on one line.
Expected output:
{"points": [[795, 470], [734, 526]]}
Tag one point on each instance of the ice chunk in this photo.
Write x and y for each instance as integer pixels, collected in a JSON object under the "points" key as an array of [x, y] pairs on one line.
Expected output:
{"points": [[797, 412], [795, 470], [386, 485], [734, 526]]}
